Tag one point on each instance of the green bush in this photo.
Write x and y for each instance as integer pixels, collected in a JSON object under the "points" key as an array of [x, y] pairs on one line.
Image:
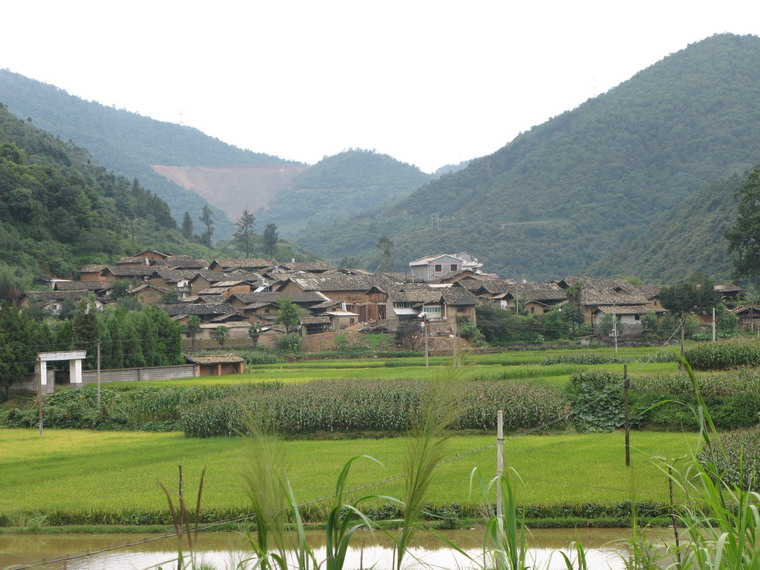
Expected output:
{"points": [[597, 401], [254, 358], [290, 342]]}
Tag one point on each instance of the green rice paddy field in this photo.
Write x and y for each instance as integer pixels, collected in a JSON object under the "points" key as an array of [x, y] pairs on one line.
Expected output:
{"points": [[505, 365], [75, 472], [80, 471]]}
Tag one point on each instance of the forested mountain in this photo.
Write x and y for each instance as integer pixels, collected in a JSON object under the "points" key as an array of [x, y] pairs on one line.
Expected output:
{"points": [[126, 142], [561, 196], [59, 210], [342, 185], [690, 238]]}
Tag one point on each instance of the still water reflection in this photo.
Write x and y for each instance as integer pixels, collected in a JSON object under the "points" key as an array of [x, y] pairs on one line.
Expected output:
{"points": [[606, 548]]}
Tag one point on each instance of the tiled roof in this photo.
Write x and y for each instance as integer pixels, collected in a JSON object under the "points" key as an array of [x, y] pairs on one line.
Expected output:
{"points": [[314, 320], [623, 310], [130, 270], [426, 295], [300, 298], [56, 295], [217, 359], [246, 263], [175, 275], [92, 268], [198, 309], [84, 285], [309, 266], [182, 261]]}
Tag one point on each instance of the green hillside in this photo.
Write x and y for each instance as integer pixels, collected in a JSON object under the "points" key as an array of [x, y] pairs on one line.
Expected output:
{"points": [[563, 195], [58, 210], [689, 238], [126, 142], [342, 185]]}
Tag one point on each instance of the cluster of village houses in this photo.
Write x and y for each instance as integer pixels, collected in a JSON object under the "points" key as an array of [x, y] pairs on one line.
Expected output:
{"points": [[439, 290]]}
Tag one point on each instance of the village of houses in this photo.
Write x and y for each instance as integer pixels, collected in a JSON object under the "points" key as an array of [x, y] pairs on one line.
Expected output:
{"points": [[441, 289]]}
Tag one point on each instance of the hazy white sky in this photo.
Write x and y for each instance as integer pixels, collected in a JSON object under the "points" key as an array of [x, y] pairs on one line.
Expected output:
{"points": [[427, 82]]}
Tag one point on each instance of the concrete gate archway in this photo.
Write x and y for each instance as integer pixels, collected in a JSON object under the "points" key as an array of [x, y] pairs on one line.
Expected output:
{"points": [[74, 357]]}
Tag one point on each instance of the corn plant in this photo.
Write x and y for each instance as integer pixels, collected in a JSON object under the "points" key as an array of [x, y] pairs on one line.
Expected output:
{"points": [[721, 518]]}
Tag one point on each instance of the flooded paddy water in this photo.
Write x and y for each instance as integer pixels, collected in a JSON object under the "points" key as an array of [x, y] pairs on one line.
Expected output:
{"points": [[606, 548]]}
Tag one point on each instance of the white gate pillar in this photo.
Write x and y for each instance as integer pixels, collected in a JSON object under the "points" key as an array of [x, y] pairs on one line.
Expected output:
{"points": [[75, 373]]}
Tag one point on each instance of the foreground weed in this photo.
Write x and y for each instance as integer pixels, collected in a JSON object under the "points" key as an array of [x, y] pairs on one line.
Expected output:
{"points": [[505, 543], [185, 522], [343, 521], [722, 519], [425, 449], [266, 479]]}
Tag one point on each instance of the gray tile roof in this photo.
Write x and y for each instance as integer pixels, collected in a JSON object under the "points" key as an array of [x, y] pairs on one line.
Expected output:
{"points": [[84, 285], [200, 309], [300, 298]]}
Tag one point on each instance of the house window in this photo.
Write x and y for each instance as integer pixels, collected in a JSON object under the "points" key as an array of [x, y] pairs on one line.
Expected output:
{"points": [[438, 268], [453, 266], [433, 311]]}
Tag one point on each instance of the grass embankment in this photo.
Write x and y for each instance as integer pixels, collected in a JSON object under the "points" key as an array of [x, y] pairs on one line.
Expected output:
{"points": [[82, 477]]}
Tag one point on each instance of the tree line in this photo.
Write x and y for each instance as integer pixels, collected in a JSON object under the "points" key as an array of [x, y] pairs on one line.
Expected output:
{"points": [[127, 338]]}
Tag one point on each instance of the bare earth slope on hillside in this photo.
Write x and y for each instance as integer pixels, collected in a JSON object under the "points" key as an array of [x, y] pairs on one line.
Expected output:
{"points": [[235, 187]]}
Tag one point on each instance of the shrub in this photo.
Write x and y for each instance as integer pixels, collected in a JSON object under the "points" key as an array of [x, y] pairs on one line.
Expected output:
{"points": [[290, 342], [261, 358], [597, 401]]}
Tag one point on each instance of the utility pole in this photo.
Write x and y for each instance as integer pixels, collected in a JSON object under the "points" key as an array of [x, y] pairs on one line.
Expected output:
{"points": [[614, 327], [98, 375], [425, 332], [713, 324], [41, 400], [499, 460], [626, 416]]}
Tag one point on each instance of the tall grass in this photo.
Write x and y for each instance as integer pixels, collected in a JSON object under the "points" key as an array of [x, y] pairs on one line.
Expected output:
{"points": [[722, 518], [425, 450], [267, 485]]}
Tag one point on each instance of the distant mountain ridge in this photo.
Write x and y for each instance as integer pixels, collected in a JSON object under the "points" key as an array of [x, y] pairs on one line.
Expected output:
{"points": [[58, 209], [340, 185], [189, 169], [565, 194], [126, 142], [235, 187]]}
